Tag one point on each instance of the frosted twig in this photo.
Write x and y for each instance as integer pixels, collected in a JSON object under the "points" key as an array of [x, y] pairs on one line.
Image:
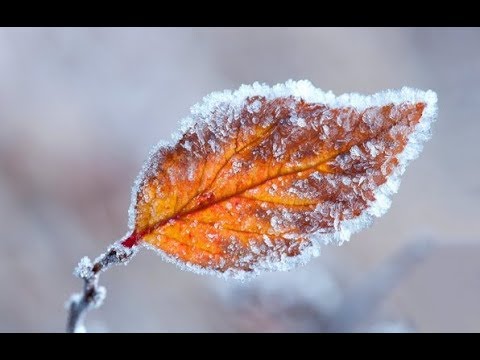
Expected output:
{"points": [[93, 295]]}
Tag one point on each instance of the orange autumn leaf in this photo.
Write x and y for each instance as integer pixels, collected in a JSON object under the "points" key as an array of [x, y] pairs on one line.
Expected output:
{"points": [[261, 177]]}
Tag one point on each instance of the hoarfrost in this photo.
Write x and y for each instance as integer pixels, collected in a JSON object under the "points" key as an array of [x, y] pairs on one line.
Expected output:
{"points": [[267, 241], [326, 130], [371, 147], [355, 151], [187, 145], [301, 122], [255, 106], [272, 189], [213, 145], [346, 180], [236, 166], [275, 222], [84, 268]]}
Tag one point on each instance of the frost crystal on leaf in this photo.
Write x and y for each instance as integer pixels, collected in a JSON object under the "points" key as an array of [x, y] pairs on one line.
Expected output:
{"points": [[259, 178], [99, 297]]}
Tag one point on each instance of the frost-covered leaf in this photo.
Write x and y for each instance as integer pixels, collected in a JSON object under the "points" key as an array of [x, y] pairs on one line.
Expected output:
{"points": [[259, 178]]}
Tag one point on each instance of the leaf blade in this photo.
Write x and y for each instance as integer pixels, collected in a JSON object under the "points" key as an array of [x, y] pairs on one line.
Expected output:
{"points": [[257, 169]]}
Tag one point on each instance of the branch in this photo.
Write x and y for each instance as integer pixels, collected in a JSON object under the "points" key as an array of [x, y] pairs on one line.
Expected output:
{"points": [[93, 295]]}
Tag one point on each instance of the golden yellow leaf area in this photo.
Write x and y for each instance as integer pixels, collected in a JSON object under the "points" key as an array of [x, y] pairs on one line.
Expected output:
{"points": [[253, 184]]}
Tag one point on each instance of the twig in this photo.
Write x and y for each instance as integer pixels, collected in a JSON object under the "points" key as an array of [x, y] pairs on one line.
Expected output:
{"points": [[93, 295]]}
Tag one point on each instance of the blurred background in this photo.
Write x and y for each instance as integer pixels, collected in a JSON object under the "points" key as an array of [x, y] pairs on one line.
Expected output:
{"points": [[80, 109]]}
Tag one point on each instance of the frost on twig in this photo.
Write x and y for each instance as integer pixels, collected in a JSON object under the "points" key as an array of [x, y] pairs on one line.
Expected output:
{"points": [[93, 295]]}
